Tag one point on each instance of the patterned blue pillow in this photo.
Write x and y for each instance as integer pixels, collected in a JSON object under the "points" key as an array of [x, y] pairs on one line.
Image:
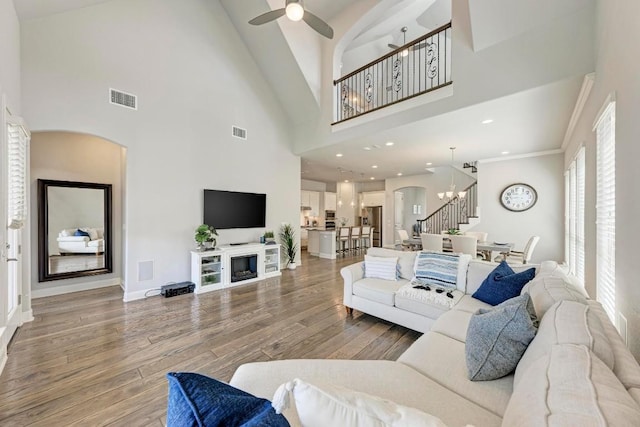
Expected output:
{"points": [[502, 284], [437, 268], [197, 400]]}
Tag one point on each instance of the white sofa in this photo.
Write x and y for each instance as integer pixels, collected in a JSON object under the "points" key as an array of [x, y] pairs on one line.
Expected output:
{"points": [[577, 371], [68, 243]]}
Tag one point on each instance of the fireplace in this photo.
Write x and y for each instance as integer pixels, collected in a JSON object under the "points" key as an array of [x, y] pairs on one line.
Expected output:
{"points": [[244, 267]]}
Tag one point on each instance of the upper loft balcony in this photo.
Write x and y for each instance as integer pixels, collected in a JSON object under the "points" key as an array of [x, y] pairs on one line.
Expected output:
{"points": [[413, 69]]}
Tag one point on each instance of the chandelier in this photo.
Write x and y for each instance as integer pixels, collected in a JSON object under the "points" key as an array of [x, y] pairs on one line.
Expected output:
{"points": [[449, 195]]}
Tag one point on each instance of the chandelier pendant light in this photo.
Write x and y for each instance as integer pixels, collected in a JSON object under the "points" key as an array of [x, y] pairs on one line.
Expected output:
{"points": [[452, 188]]}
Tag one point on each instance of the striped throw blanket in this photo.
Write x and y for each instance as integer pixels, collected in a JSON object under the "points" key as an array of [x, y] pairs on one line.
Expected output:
{"points": [[437, 268]]}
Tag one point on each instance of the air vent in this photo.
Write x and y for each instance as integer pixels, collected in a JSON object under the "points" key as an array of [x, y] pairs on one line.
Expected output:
{"points": [[239, 132], [123, 99]]}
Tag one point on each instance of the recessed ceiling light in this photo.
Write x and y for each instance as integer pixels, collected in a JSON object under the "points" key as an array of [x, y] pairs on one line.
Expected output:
{"points": [[339, 155], [429, 163], [389, 143], [366, 148], [399, 173], [372, 178], [486, 122], [375, 166], [505, 152]]}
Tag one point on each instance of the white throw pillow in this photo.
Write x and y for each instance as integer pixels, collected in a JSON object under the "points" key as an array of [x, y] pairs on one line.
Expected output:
{"points": [[337, 406], [381, 267], [93, 233]]}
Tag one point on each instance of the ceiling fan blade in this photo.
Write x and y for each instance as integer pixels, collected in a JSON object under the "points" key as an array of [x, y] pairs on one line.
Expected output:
{"points": [[393, 46], [267, 17], [318, 24], [419, 46]]}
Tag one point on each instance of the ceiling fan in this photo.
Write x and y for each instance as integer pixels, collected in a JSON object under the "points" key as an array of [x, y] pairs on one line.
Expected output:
{"points": [[295, 11], [404, 38]]}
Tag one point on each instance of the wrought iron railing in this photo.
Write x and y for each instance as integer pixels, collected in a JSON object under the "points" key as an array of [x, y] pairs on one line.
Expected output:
{"points": [[416, 68], [457, 211]]}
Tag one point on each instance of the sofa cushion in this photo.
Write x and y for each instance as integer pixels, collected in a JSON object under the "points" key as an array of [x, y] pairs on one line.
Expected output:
{"points": [[454, 324], [406, 259], [443, 269], [443, 360], [195, 399], [95, 243], [386, 379], [380, 267], [424, 308], [378, 290], [625, 365], [570, 386], [547, 290], [497, 338], [502, 284], [567, 322], [322, 404], [470, 304]]}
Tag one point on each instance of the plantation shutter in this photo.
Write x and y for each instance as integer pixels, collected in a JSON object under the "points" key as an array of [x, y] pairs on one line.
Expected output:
{"points": [[17, 172], [606, 211], [580, 195], [572, 217]]}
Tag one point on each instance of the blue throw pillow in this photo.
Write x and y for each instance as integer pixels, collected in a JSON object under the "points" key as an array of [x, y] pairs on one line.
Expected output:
{"points": [[502, 284], [81, 233], [197, 400]]}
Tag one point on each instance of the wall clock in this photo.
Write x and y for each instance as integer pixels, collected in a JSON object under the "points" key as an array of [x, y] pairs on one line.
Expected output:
{"points": [[518, 197]]}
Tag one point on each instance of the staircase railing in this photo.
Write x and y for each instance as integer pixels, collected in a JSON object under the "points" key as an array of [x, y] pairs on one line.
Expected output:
{"points": [[455, 212], [418, 67]]}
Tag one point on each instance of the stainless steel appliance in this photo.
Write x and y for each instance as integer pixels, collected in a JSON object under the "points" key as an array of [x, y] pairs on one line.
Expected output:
{"points": [[330, 220], [373, 216]]}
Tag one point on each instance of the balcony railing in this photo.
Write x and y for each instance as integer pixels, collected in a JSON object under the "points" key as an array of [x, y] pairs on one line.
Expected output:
{"points": [[416, 68]]}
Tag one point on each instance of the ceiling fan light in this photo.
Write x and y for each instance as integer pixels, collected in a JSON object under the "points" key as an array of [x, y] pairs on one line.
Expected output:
{"points": [[294, 11], [405, 53]]}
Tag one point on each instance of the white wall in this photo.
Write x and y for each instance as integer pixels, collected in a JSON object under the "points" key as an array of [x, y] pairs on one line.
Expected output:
{"points": [[66, 156], [194, 79], [10, 55], [544, 219], [617, 70]]}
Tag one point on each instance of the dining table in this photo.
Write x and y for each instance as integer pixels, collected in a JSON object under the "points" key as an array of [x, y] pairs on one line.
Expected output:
{"points": [[486, 248]]}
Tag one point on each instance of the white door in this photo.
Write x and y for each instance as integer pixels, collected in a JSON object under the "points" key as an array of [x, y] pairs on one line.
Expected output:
{"points": [[13, 219]]}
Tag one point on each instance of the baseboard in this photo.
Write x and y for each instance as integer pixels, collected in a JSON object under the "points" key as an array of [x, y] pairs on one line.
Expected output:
{"points": [[27, 316], [133, 296], [67, 289], [3, 359]]}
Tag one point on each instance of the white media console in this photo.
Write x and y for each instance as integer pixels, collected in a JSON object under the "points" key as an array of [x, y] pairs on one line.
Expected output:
{"points": [[232, 265]]}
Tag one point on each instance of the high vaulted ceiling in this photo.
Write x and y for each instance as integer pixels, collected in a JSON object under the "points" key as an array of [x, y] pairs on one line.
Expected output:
{"points": [[536, 119]]}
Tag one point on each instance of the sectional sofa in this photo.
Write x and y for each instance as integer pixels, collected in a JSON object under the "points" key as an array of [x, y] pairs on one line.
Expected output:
{"points": [[577, 370]]}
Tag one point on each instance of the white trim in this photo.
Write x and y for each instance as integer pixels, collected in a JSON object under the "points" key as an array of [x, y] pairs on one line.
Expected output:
{"points": [[59, 290], [3, 358], [522, 156], [611, 98], [585, 90], [27, 316], [136, 295]]}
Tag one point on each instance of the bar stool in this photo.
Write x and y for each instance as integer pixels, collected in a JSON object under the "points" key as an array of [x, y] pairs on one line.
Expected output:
{"points": [[354, 242], [342, 240], [365, 237]]}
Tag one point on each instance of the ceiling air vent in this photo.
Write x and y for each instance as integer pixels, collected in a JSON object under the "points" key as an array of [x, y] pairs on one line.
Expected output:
{"points": [[237, 132], [124, 99]]}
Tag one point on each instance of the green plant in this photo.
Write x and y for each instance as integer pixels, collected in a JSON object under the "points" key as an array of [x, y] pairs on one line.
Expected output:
{"points": [[287, 238], [205, 233], [453, 231], [269, 235]]}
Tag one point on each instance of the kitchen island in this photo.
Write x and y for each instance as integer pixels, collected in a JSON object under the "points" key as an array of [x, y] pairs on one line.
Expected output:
{"points": [[322, 243]]}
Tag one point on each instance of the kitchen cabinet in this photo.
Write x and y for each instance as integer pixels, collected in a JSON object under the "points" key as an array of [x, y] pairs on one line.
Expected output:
{"points": [[373, 198], [330, 201], [312, 200]]}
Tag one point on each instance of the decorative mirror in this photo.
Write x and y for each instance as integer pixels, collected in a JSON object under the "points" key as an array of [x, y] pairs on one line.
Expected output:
{"points": [[74, 229]]}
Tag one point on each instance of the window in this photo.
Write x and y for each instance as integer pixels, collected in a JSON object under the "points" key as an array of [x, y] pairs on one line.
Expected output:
{"points": [[606, 210], [17, 186], [574, 215]]}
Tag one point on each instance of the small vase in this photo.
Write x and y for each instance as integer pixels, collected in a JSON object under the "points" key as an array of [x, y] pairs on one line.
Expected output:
{"points": [[291, 266]]}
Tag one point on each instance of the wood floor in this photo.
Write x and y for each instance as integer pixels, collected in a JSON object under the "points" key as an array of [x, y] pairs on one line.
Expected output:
{"points": [[90, 359]]}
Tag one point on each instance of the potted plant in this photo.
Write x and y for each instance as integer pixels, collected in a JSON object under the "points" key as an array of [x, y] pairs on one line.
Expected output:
{"points": [[269, 236], [287, 238], [453, 231], [206, 237]]}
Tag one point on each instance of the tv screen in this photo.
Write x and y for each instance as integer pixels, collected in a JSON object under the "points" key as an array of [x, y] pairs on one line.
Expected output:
{"points": [[231, 209]]}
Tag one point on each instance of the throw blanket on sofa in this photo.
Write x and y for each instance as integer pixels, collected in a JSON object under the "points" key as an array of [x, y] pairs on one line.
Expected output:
{"points": [[447, 298], [437, 268]]}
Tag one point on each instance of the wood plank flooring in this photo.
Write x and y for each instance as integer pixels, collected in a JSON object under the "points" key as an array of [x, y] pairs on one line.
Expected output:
{"points": [[89, 359]]}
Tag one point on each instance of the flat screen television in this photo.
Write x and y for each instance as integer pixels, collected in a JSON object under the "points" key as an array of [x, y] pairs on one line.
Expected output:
{"points": [[232, 209]]}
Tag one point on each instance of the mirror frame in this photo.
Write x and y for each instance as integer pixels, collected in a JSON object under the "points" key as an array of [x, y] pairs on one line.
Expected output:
{"points": [[43, 230]]}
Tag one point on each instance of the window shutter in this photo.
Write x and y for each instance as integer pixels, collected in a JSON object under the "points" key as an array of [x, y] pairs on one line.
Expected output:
{"points": [[580, 196], [17, 167], [606, 211]]}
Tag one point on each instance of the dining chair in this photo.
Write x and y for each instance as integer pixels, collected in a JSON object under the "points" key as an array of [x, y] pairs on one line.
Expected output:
{"points": [[431, 242], [342, 238], [480, 235], [365, 236], [354, 241], [524, 256], [404, 237], [464, 245]]}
